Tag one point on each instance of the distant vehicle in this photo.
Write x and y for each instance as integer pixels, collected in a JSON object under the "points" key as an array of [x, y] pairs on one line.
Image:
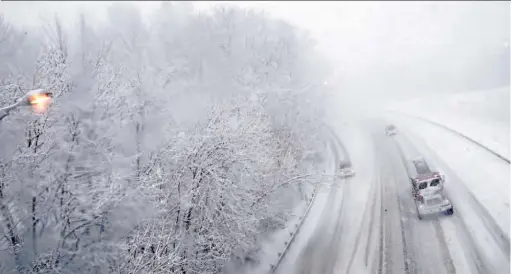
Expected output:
{"points": [[427, 188], [390, 130], [346, 170]]}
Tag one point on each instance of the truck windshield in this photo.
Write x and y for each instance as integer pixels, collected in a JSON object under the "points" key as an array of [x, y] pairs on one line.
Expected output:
{"points": [[434, 182], [423, 185]]}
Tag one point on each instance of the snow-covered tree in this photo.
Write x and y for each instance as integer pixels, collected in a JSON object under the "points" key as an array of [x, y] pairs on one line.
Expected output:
{"points": [[170, 147]]}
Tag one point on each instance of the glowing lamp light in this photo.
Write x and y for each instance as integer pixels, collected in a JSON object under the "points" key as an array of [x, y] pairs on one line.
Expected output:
{"points": [[38, 99], [39, 102]]}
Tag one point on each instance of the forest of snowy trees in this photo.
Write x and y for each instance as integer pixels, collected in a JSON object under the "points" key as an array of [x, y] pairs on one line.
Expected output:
{"points": [[170, 146]]}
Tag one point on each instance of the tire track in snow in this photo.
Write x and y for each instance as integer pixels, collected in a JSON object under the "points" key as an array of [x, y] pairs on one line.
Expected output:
{"points": [[335, 151], [382, 243], [347, 234], [409, 262], [402, 237], [421, 225], [343, 234], [335, 243], [439, 231], [340, 231], [310, 259], [470, 247], [371, 226], [496, 232], [462, 228], [406, 225], [365, 219], [395, 249]]}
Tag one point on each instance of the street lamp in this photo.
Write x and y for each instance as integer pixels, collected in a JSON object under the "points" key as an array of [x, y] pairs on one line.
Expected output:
{"points": [[38, 99]]}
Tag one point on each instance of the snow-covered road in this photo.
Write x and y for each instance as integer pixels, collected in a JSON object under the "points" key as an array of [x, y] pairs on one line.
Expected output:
{"points": [[368, 223]]}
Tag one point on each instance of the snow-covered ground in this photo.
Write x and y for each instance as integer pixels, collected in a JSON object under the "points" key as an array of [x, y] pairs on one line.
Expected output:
{"points": [[307, 229], [481, 115], [368, 223], [276, 244], [359, 219], [339, 217], [476, 180], [480, 224], [485, 175]]}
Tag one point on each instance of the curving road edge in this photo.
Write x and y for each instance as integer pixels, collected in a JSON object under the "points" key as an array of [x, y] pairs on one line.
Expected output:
{"points": [[452, 131], [337, 146]]}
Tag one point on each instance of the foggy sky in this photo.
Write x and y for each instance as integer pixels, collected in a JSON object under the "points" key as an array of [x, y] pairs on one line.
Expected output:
{"points": [[390, 48]]}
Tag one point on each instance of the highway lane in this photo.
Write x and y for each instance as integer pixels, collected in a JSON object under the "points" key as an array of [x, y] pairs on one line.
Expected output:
{"points": [[341, 219], [482, 174], [370, 225], [483, 241], [424, 249], [463, 243]]}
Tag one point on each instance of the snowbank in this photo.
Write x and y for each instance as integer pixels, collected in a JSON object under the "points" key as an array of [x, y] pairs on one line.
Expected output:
{"points": [[480, 115]]}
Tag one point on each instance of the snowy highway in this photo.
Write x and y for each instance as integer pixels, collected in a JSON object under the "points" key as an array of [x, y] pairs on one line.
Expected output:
{"points": [[368, 223]]}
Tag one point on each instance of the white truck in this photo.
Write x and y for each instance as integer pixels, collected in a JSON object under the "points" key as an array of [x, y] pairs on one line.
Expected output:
{"points": [[428, 189]]}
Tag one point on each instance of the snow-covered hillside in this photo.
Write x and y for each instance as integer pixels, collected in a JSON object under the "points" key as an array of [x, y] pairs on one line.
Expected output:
{"points": [[481, 115]]}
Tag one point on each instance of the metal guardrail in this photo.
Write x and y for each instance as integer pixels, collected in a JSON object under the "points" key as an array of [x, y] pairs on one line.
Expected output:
{"points": [[454, 132], [293, 235], [337, 145]]}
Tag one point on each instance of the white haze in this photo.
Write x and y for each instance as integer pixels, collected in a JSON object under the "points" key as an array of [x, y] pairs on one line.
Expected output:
{"points": [[181, 133], [378, 48]]}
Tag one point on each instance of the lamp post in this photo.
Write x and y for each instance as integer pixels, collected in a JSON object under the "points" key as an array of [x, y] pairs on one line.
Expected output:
{"points": [[38, 99]]}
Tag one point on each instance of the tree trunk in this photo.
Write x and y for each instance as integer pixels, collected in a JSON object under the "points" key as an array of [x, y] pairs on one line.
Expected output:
{"points": [[34, 224], [14, 240]]}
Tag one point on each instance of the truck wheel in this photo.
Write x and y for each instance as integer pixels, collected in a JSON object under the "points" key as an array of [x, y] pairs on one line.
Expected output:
{"points": [[450, 211], [419, 216]]}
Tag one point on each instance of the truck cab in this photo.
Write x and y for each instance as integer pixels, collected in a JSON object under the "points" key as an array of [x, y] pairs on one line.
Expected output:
{"points": [[423, 178], [428, 189], [427, 185]]}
